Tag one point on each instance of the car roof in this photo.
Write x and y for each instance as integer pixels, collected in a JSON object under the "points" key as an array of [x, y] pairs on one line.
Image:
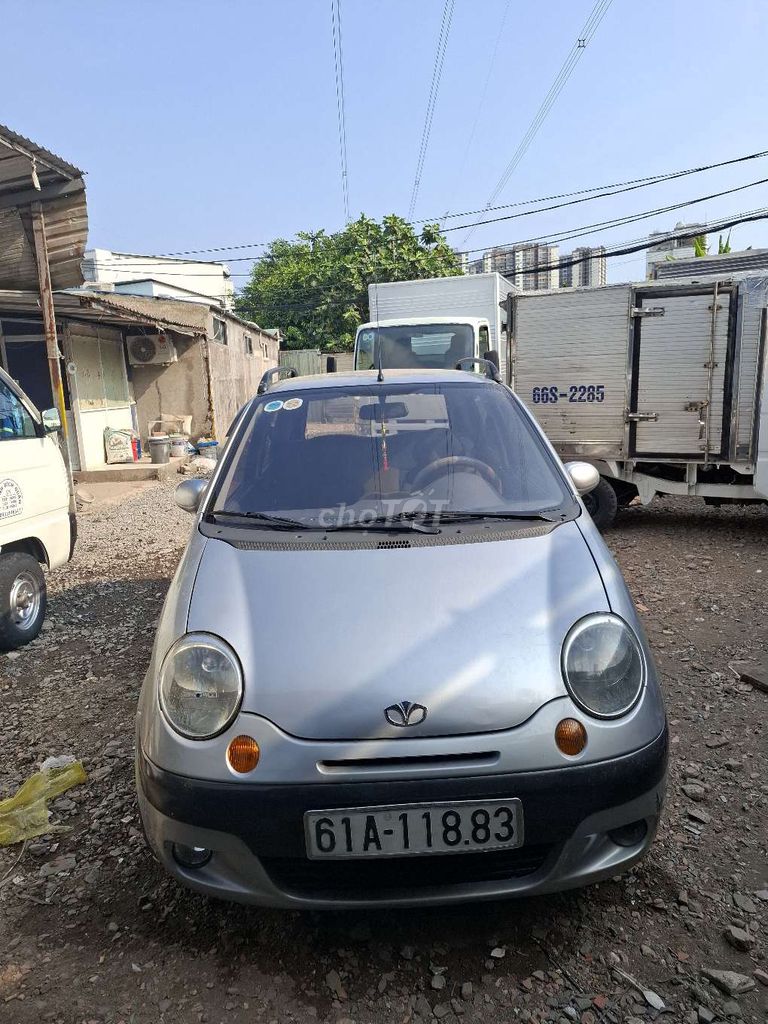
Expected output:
{"points": [[356, 378]]}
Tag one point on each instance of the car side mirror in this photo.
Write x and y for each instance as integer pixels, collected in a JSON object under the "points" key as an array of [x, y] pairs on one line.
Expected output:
{"points": [[189, 494], [584, 476], [51, 421], [493, 357]]}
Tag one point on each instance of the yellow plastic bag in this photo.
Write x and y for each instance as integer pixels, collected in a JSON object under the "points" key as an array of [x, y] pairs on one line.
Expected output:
{"points": [[26, 813]]}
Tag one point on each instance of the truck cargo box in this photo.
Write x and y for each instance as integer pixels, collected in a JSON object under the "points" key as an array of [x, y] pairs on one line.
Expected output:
{"points": [[653, 372]]}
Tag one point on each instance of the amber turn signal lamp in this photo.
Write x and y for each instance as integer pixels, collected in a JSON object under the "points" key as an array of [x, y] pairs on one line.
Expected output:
{"points": [[243, 754], [570, 736]]}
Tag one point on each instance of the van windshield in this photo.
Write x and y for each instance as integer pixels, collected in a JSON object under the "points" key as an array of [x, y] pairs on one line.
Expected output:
{"points": [[328, 457], [420, 346]]}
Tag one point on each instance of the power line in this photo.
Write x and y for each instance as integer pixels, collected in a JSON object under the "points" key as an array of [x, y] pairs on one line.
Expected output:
{"points": [[340, 113], [565, 235], [596, 15], [483, 94], [604, 225], [601, 190], [619, 249], [437, 72]]}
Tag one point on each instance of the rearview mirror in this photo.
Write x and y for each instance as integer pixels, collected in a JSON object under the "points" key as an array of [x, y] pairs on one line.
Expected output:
{"points": [[189, 494], [493, 357], [584, 476], [51, 421], [384, 411]]}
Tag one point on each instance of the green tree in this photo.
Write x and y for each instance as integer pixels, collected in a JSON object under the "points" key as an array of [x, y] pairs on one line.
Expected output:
{"points": [[724, 247], [315, 288]]}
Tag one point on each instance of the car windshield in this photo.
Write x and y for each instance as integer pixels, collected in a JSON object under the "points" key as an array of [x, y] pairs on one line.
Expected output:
{"points": [[420, 346], [329, 457]]}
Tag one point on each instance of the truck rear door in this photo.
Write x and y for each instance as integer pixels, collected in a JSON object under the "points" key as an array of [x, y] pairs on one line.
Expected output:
{"points": [[680, 392]]}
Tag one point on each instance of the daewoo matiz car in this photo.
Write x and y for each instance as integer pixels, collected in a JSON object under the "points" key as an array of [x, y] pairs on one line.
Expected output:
{"points": [[397, 664]]}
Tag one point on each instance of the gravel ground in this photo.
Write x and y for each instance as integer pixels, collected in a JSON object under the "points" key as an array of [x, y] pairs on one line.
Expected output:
{"points": [[92, 931]]}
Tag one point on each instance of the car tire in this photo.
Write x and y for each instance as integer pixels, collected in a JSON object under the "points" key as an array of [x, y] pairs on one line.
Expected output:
{"points": [[602, 504], [23, 599]]}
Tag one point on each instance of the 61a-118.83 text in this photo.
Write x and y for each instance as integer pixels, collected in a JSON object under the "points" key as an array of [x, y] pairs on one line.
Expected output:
{"points": [[551, 394]]}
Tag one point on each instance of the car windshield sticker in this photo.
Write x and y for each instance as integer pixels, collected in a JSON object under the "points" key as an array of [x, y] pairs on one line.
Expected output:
{"points": [[11, 499], [293, 403], [273, 406]]}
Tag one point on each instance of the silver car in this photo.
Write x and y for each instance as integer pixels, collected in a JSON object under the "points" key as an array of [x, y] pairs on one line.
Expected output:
{"points": [[397, 664]]}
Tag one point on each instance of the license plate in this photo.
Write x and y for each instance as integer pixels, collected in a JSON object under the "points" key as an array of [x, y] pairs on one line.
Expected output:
{"points": [[409, 829]]}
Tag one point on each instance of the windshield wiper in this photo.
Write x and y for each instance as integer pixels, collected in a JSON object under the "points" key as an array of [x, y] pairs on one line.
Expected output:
{"points": [[458, 516], [273, 522]]}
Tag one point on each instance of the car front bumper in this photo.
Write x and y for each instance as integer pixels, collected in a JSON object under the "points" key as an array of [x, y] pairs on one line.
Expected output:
{"points": [[256, 833]]}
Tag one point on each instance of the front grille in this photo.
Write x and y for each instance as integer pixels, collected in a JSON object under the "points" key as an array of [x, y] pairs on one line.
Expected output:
{"points": [[387, 877]]}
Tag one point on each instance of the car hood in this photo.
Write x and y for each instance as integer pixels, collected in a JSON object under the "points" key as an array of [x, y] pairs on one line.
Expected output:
{"points": [[329, 639]]}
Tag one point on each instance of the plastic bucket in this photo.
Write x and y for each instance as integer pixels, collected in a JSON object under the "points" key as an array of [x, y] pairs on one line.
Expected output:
{"points": [[178, 446], [208, 449], [160, 449]]}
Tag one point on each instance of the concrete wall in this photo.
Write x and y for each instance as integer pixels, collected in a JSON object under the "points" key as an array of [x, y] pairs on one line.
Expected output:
{"points": [[178, 389], [235, 374]]}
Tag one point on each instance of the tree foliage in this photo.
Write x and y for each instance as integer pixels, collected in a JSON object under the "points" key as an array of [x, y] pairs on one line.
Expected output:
{"points": [[315, 288]]}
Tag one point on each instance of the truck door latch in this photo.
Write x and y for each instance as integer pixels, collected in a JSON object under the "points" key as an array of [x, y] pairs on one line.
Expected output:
{"points": [[640, 417], [647, 311]]}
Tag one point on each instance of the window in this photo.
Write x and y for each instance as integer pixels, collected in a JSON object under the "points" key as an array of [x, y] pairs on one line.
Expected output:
{"points": [[422, 346], [318, 454], [248, 343], [485, 341], [15, 420], [220, 330]]}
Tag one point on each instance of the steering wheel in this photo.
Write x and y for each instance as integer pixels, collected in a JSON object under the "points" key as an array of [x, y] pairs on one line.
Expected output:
{"points": [[437, 469]]}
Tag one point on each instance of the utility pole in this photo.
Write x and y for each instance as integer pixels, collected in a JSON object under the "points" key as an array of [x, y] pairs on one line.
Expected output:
{"points": [[49, 324]]}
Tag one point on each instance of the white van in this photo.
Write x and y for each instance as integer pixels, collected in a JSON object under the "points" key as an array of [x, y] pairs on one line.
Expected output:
{"points": [[37, 524]]}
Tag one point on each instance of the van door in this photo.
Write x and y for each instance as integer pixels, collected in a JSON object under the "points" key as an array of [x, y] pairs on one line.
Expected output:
{"points": [[680, 392], [34, 491]]}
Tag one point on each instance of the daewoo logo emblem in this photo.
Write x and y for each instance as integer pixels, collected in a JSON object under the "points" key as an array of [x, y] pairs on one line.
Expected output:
{"points": [[405, 713]]}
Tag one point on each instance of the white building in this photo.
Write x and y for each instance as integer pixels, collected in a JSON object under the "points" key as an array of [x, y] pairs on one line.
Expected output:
{"points": [[158, 277], [680, 248]]}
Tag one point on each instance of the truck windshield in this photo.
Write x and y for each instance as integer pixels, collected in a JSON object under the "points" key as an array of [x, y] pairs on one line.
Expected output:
{"points": [[420, 346], [329, 457]]}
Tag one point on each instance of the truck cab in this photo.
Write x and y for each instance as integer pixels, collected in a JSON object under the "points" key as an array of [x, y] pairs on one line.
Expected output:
{"points": [[423, 343]]}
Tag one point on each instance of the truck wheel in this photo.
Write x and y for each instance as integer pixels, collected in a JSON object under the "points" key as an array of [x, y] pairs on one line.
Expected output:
{"points": [[602, 504], [23, 599]]}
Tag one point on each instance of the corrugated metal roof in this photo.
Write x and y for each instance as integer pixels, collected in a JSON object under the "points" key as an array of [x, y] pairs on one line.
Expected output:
{"points": [[28, 173], [165, 312], [754, 260], [16, 156]]}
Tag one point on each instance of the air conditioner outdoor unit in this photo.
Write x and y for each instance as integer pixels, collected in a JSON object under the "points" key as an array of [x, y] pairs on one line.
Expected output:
{"points": [[150, 350]]}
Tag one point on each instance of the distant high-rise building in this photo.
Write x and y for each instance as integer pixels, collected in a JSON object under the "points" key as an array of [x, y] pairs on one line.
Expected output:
{"points": [[589, 268], [529, 266]]}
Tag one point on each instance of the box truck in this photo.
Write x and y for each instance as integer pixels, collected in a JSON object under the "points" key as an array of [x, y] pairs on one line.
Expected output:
{"points": [[660, 385], [434, 322]]}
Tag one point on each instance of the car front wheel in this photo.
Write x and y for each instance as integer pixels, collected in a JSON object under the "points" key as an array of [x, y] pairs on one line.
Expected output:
{"points": [[23, 599]]}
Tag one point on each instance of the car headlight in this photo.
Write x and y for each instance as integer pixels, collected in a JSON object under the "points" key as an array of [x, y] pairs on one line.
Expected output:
{"points": [[201, 686], [603, 665]]}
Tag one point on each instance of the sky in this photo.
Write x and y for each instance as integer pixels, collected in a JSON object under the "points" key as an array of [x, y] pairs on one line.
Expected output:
{"points": [[206, 124]]}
